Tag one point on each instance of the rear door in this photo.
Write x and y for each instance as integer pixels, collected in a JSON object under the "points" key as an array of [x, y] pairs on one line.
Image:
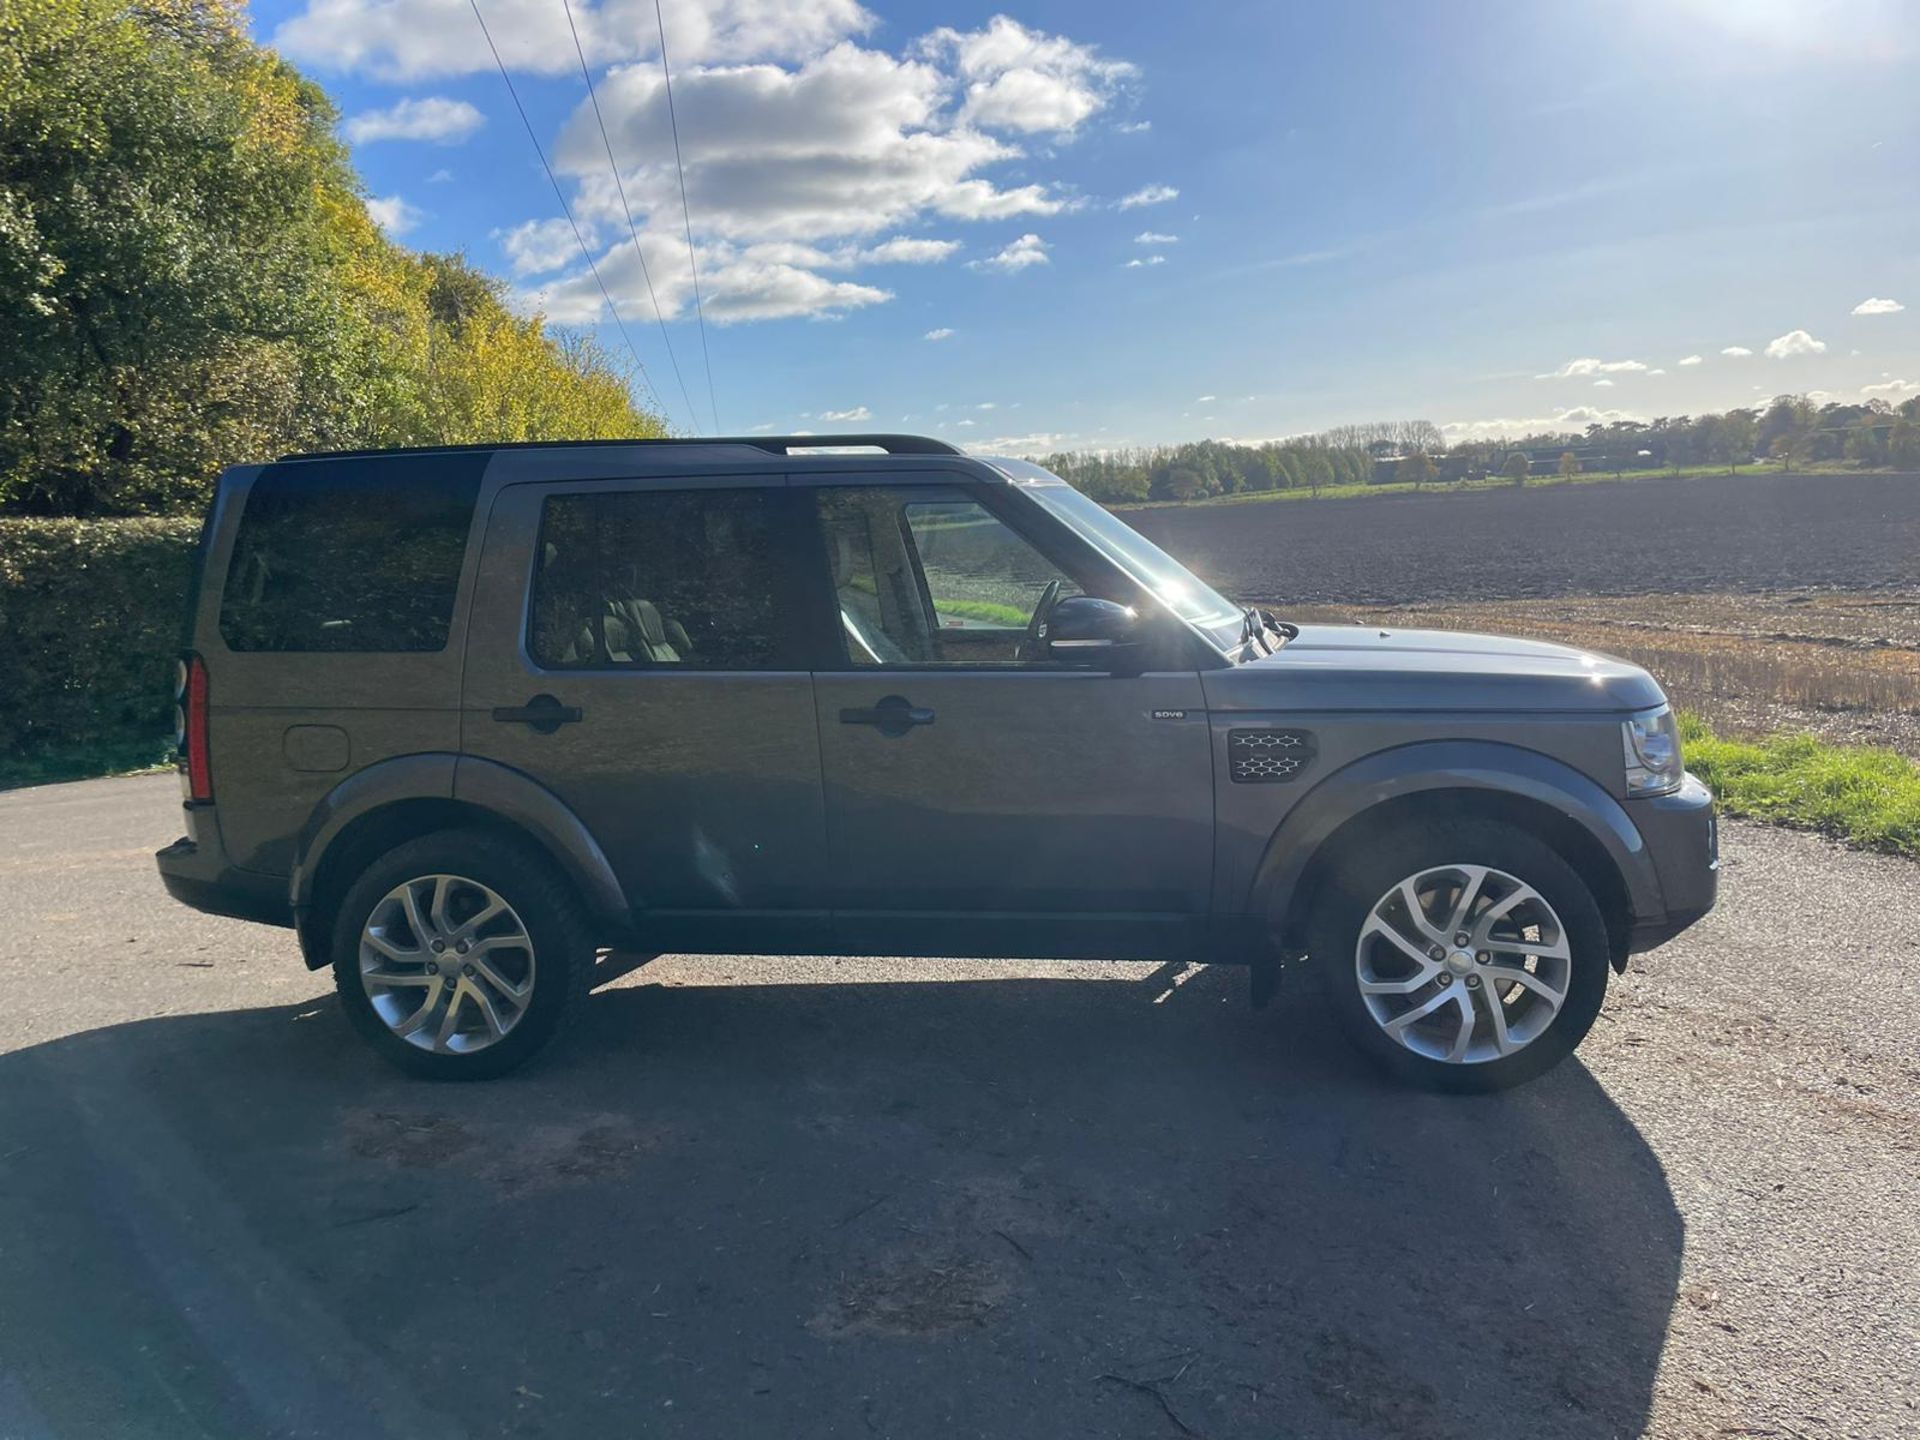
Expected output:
{"points": [[981, 797], [637, 649]]}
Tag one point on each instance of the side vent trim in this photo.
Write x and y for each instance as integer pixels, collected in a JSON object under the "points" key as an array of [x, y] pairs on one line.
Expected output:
{"points": [[1269, 757]]}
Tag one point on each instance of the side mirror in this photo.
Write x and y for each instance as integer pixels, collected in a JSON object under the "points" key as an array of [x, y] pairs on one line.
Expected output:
{"points": [[1083, 630]]}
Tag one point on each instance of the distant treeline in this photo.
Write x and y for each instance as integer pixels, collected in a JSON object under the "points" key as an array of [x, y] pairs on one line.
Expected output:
{"points": [[189, 276], [1792, 429]]}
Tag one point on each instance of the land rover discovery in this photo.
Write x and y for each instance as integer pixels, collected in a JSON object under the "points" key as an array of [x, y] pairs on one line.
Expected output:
{"points": [[466, 717]]}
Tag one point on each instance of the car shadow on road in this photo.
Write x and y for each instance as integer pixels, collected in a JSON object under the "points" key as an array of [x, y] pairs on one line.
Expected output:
{"points": [[1017, 1207]]}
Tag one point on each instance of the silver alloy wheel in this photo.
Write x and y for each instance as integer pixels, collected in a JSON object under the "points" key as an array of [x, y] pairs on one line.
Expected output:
{"points": [[447, 964], [1463, 964]]}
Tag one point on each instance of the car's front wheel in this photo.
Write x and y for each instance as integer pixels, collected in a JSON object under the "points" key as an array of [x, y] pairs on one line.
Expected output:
{"points": [[459, 954], [1461, 956]]}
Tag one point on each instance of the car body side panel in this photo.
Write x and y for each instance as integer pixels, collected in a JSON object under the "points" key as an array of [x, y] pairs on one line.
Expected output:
{"points": [[382, 705]]}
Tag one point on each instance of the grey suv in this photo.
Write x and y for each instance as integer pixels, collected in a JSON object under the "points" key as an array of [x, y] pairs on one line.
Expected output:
{"points": [[466, 717]]}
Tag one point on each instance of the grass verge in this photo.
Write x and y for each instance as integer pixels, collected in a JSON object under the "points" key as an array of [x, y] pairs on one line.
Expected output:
{"points": [[1491, 482], [57, 763], [1863, 795]]}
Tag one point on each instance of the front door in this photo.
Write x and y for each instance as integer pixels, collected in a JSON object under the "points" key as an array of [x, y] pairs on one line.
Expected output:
{"points": [[982, 798], [651, 673]]}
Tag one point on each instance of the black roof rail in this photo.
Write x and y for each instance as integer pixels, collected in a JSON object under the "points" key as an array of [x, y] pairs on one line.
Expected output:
{"points": [[772, 444]]}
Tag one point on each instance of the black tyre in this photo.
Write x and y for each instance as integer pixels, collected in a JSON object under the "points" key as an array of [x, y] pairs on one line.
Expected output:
{"points": [[1464, 955], [460, 954]]}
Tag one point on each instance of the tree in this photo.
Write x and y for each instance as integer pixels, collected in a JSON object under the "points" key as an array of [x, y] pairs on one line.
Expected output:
{"points": [[1315, 469], [1516, 467], [1866, 447], [1903, 445], [1418, 467], [1735, 438], [189, 276], [1569, 464]]}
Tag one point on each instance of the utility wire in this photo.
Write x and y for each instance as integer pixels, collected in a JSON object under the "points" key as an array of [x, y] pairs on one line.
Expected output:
{"points": [[566, 209], [686, 214], [632, 229]]}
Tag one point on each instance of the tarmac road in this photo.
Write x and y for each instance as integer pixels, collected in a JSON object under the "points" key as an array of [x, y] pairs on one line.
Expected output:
{"points": [[797, 1198]]}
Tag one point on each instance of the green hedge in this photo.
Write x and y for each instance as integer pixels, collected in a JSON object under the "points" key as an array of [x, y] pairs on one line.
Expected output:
{"points": [[90, 622]]}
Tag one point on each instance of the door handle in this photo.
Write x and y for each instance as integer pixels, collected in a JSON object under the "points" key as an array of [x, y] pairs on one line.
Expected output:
{"points": [[543, 714], [894, 715]]}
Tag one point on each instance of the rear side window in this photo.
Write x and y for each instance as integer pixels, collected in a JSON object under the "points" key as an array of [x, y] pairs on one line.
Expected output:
{"points": [[637, 579], [350, 556]]}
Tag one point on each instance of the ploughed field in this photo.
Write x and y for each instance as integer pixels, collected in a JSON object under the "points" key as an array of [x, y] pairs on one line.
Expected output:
{"points": [[1765, 601]]}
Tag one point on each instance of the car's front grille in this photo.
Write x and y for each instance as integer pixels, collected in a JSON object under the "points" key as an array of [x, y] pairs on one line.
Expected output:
{"points": [[1268, 757]]}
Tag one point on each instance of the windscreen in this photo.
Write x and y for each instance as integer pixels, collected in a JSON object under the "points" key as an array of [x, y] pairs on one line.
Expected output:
{"points": [[1183, 592]]}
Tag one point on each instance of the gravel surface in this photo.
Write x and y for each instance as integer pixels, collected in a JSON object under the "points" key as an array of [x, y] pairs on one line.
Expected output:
{"points": [[826, 1197], [1750, 532]]}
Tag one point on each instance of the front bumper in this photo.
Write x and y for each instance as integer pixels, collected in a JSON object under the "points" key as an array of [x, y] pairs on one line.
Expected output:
{"points": [[197, 874], [1682, 836]]}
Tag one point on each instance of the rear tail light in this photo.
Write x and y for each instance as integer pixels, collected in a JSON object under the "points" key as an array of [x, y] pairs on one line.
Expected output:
{"points": [[190, 726]]}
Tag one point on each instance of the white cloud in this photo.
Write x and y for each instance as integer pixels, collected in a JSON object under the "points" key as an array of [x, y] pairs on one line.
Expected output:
{"points": [[1138, 261], [1026, 80], [858, 412], [1589, 366], [945, 332], [1032, 446], [537, 246], [849, 143], [1134, 127], [394, 215], [435, 118], [1652, 373], [987, 405], [1738, 352], [1154, 237], [442, 176], [1206, 399], [1874, 305], [736, 284], [1794, 342], [1608, 384], [1892, 389], [806, 152], [964, 423], [1577, 418], [1148, 195], [904, 250], [1029, 249], [405, 39], [1690, 360]]}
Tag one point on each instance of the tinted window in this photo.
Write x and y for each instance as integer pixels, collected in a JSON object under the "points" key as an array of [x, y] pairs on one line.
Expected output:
{"points": [[648, 578], [360, 555]]}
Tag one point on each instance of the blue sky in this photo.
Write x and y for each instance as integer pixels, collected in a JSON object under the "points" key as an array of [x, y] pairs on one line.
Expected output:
{"points": [[1127, 224]]}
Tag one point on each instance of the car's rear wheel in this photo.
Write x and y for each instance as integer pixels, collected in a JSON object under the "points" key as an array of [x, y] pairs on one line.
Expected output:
{"points": [[1461, 956], [460, 954]]}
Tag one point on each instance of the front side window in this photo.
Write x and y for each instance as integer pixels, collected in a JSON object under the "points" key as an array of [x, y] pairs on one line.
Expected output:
{"points": [[929, 576], [642, 579]]}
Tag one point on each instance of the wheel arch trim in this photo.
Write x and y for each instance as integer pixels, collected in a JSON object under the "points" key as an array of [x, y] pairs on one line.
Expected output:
{"points": [[496, 792], [1488, 768]]}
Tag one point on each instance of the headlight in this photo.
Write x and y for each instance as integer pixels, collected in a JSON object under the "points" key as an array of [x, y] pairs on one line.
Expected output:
{"points": [[1652, 744]]}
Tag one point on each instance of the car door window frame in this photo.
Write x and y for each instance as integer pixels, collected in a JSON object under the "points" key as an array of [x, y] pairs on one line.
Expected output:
{"points": [[1052, 542], [800, 638]]}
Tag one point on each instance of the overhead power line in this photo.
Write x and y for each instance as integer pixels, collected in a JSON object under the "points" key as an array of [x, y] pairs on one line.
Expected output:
{"points": [[632, 229], [686, 214], [566, 209]]}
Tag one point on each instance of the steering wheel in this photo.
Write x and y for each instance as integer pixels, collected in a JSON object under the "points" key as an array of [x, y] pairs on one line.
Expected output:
{"points": [[1032, 646]]}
